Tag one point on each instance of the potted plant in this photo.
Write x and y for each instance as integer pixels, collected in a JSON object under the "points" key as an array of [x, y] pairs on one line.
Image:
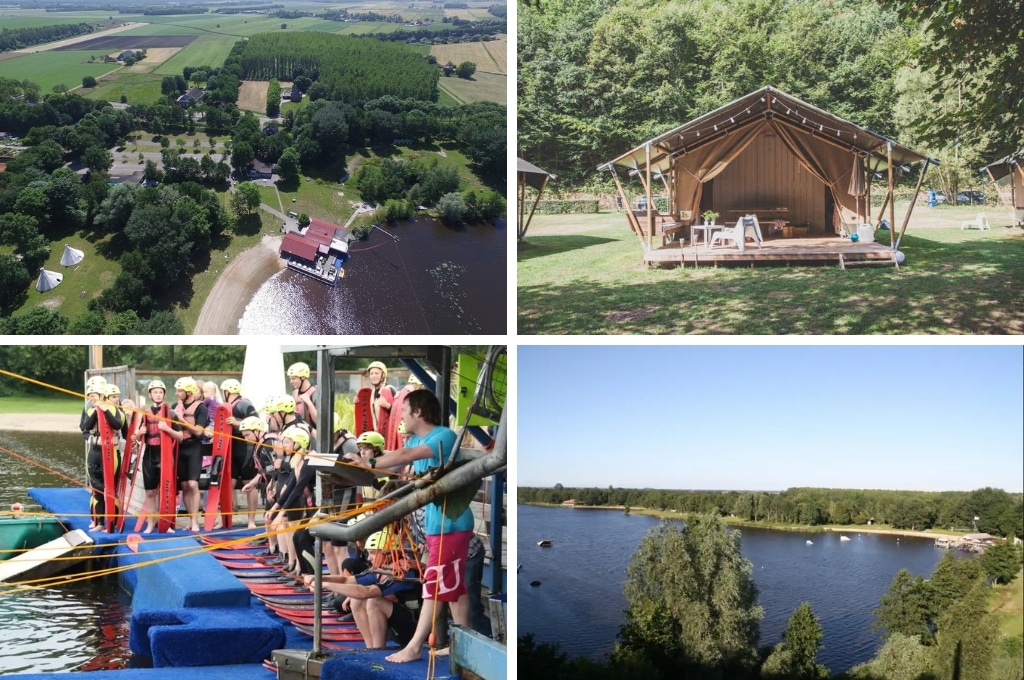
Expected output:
{"points": [[709, 216]]}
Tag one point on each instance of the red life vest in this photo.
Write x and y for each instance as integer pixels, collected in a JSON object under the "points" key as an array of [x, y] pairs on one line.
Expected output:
{"points": [[190, 418], [152, 426]]}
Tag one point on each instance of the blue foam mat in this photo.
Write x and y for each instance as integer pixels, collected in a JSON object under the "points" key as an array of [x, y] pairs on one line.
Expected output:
{"points": [[239, 672]]}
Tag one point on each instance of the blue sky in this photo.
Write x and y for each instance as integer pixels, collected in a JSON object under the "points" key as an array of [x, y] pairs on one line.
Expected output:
{"points": [[771, 417]]}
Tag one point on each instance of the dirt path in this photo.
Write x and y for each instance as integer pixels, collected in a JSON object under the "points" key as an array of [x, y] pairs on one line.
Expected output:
{"points": [[78, 39], [38, 422], [234, 289]]}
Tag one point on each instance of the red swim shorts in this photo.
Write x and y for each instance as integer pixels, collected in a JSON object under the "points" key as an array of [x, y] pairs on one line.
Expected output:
{"points": [[445, 572]]}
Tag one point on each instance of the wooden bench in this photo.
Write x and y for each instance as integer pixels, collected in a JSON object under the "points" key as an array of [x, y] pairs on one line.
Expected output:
{"points": [[664, 225]]}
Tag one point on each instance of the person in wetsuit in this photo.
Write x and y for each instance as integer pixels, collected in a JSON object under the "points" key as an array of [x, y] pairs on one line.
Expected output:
{"points": [[305, 395], [191, 414], [149, 434], [242, 464], [295, 492], [102, 501]]}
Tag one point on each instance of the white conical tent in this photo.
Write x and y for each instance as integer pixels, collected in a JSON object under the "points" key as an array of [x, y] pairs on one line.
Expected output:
{"points": [[48, 280], [71, 256]]}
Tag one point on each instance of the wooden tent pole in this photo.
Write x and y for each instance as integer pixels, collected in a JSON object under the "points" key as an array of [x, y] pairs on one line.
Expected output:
{"points": [[625, 201], [533, 208], [891, 198], [522, 204], [867, 196], [881, 212], [650, 201], [1013, 193], [913, 201]]}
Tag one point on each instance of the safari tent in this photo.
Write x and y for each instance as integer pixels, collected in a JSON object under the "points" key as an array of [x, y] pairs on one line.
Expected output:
{"points": [[529, 175], [803, 172], [48, 280], [71, 256], [1008, 176]]}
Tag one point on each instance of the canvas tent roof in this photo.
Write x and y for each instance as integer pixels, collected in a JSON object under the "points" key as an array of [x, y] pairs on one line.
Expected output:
{"points": [[48, 280], [71, 256], [532, 175], [1003, 167], [778, 109]]}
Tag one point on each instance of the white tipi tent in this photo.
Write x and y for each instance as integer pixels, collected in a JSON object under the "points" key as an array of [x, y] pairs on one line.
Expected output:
{"points": [[71, 256], [48, 280]]}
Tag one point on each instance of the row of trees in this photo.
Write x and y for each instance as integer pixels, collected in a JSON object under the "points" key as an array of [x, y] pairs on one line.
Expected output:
{"points": [[693, 613], [450, 30], [627, 70], [20, 38], [273, 98], [999, 513], [352, 69]]}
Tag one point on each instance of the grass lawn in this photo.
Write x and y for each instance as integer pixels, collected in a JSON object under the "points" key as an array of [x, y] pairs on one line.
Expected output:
{"points": [[583, 274], [292, 106], [487, 87], [53, 404], [202, 283], [81, 283], [1008, 604], [55, 67], [318, 198], [139, 88], [445, 99], [268, 195]]}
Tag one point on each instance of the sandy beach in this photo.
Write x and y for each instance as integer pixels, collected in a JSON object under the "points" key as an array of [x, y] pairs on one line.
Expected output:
{"points": [[38, 422], [241, 279]]}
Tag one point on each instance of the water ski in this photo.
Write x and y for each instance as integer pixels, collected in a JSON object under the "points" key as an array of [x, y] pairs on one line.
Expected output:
{"points": [[129, 467], [108, 447], [364, 410], [393, 440], [220, 493], [166, 510]]}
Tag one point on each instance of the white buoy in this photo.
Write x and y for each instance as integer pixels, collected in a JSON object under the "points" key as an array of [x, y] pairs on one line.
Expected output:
{"points": [[810, 542]]}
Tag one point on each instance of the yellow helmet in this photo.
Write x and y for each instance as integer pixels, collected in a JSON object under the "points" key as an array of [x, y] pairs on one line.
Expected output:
{"points": [[153, 384], [380, 365], [379, 540], [186, 384], [231, 386], [95, 385], [374, 439], [413, 380], [402, 429], [254, 423], [271, 406], [297, 435], [110, 390], [285, 404], [337, 422], [298, 370]]}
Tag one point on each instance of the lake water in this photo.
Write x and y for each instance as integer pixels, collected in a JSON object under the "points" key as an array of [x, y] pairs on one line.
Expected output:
{"points": [[580, 601], [78, 626], [435, 280]]}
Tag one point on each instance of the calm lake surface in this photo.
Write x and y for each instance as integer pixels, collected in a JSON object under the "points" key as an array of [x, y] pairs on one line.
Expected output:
{"points": [[580, 602], [434, 280], [78, 626]]}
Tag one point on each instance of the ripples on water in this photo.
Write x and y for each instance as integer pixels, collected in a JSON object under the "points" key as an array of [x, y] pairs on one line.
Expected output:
{"points": [[79, 626], [580, 601], [434, 280]]}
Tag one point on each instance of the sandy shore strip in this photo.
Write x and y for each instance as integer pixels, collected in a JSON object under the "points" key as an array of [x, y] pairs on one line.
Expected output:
{"points": [[234, 289], [38, 422]]}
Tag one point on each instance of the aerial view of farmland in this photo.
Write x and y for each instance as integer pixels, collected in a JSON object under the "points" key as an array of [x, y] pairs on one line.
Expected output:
{"points": [[241, 125]]}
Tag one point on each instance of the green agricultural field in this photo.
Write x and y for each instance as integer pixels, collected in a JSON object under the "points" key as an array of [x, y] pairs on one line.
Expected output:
{"points": [[445, 99], [138, 88], [81, 283], [55, 67], [13, 23], [325, 26], [162, 29], [484, 87], [206, 50]]}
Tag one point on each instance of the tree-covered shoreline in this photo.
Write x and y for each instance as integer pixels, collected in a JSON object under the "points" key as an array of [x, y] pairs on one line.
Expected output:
{"points": [[999, 512]]}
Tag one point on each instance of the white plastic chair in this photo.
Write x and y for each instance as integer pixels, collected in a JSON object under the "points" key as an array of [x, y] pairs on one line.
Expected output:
{"points": [[752, 228], [734, 234], [981, 222]]}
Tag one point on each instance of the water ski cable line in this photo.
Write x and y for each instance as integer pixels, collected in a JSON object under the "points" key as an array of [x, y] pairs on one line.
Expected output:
{"points": [[133, 410]]}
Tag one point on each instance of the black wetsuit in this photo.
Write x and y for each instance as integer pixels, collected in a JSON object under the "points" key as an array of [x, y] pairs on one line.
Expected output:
{"points": [[190, 452], [242, 466], [89, 424]]}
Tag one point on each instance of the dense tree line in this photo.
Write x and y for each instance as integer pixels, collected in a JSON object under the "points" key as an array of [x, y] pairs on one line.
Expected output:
{"points": [[352, 69], [451, 30], [236, 9], [500, 11], [20, 38], [627, 70], [693, 613], [999, 513], [23, 107]]}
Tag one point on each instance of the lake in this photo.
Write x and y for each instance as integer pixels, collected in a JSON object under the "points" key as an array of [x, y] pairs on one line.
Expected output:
{"points": [[78, 626], [435, 279], [580, 601]]}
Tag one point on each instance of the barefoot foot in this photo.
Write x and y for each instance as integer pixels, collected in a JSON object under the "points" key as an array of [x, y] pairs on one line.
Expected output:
{"points": [[404, 656]]}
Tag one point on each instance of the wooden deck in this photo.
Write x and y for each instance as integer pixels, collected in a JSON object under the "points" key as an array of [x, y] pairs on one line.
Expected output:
{"points": [[775, 251]]}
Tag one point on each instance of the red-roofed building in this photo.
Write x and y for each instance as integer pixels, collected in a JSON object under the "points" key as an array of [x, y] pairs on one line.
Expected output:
{"points": [[299, 247]]}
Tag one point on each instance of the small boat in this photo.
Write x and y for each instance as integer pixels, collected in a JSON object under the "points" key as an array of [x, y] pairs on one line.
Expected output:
{"points": [[810, 542], [18, 534], [534, 583], [844, 538], [544, 544]]}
